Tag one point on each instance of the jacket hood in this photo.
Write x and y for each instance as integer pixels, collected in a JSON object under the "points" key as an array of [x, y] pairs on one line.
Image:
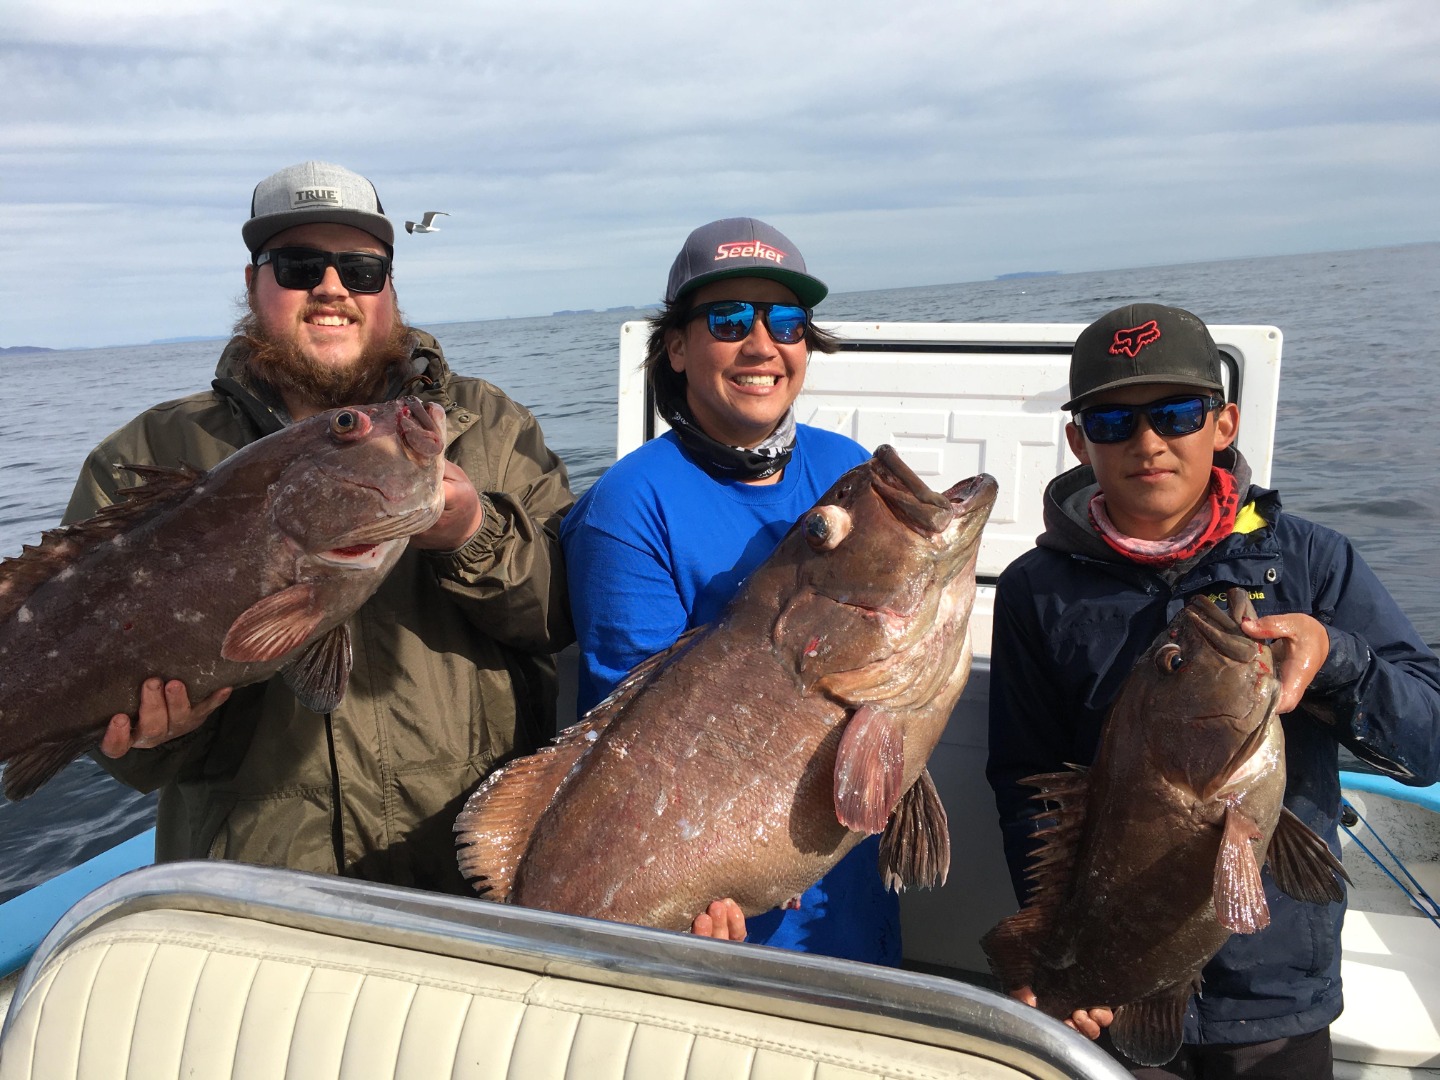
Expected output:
{"points": [[1067, 508]]}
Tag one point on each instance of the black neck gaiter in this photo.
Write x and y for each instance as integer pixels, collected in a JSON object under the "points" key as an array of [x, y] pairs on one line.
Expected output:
{"points": [[726, 462]]}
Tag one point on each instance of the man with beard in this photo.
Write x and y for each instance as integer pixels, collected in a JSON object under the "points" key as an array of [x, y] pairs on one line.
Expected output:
{"points": [[453, 669]]}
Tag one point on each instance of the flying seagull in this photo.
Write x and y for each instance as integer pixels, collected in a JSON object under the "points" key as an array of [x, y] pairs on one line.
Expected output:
{"points": [[424, 224]]}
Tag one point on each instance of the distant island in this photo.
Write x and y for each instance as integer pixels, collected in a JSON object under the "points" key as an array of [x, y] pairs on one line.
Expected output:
{"points": [[596, 311], [15, 350], [1025, 274]]}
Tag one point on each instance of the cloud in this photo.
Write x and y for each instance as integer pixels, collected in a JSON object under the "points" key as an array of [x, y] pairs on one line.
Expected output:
{"points": [[574, 145]]}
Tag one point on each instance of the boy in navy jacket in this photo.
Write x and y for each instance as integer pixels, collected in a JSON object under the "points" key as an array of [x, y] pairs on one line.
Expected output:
{"points": [[1160, 509]]}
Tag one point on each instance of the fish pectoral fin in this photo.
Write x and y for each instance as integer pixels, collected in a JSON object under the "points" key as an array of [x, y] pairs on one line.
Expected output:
{"points": [[915, 848], [28, 769], [1149, 1031], [274, 626], [1239, 893], [318, 676], [493, 831], [1304, 866], [869, 770]]}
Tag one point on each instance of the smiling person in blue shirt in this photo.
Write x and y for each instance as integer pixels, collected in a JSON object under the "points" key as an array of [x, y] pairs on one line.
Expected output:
{"points": [[663, 540]]}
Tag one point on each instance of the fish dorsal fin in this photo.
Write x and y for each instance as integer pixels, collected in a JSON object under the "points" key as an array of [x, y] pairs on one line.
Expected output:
{"points": [[1303, 865], [915, 848], [1239, 894], [59, 548], [1150, 1031], [26, 770], [493, 831], [1011, 945], [319, 675], [1065, 796], [869, 770], [274, 626]]}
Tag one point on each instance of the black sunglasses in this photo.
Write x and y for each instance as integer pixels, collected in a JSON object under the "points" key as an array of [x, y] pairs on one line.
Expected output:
{"points": [[732, 320], [1169, 417], [304, 268]]}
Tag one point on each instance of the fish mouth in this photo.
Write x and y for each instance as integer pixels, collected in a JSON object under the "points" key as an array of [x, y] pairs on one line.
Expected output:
{"points": [[976, 493], [1220, 629], [421, 426], [921, 509]]}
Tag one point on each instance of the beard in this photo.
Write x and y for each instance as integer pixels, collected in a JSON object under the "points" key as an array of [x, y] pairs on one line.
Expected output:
{"points": [[279, 363]]}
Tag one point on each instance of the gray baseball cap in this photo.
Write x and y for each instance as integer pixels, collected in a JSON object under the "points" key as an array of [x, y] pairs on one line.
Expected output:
{"points": [[741, 247], [314, 191], [1142, 343]]}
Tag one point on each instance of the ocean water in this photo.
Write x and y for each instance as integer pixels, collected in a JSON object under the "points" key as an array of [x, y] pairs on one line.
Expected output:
{"points": [[1357, 442]]}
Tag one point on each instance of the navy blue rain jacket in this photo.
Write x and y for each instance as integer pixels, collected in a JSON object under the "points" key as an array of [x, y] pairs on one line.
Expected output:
{"points": [[1072, 617]]}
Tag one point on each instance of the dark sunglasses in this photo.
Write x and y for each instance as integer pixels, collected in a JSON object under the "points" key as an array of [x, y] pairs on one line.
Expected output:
{"points": [[304, 268], [732, 320], [1168, 416]]}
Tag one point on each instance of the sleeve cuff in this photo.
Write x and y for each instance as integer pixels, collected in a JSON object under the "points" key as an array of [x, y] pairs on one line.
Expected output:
{"points": [[1348, 660], [476, 552]]}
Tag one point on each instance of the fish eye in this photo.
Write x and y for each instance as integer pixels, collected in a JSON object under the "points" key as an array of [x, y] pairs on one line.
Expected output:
{"points": [[826, 527], [348, 422], [1170, 659]]}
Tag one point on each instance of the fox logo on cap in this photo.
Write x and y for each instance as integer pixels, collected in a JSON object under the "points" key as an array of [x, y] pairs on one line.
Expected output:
{"points": [[1130, 342]]}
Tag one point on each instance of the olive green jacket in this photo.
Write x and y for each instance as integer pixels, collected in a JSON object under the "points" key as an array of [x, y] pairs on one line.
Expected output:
{"points": [[453, 667]]}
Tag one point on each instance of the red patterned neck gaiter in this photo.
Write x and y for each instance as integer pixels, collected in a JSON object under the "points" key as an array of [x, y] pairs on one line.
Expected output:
{"points": [[1214, 521]]}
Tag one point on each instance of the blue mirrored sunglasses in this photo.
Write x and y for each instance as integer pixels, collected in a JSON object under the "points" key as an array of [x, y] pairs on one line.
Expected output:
{"points": [[1169, 417], [732, 320]]}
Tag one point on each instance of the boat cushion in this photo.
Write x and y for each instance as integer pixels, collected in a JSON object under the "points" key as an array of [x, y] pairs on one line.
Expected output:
{"points": [[161, 994]]}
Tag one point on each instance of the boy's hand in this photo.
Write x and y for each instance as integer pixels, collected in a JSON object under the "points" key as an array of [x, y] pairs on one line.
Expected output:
{"points": [[1088, 1022], [1300, 645]]}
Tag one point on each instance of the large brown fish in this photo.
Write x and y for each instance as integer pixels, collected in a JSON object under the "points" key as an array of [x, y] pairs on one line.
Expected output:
{"points": [[217, 579], [747, 759], [1152, 856]]}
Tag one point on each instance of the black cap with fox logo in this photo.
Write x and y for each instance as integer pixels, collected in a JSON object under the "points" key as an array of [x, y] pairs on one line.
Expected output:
{"points": [[1142, 343]]}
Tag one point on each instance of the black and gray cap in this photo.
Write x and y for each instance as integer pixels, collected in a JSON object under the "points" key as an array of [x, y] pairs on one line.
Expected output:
{"points": [[742, 247], [314, 191], [1138, 344]]}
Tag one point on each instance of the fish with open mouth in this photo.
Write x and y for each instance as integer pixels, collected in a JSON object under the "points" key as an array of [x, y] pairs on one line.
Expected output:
{"points": [[746, 760]]}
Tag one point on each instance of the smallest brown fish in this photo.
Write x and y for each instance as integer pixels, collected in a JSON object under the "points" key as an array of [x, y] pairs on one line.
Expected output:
{"points": [[1151, 857]]}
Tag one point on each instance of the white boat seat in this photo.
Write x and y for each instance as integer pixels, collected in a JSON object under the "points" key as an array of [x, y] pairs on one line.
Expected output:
{"points": [[179, 993], [158, 990]]}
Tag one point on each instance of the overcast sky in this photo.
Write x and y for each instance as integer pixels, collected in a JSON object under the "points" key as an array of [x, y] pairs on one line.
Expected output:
{"points": [[575, 144]]}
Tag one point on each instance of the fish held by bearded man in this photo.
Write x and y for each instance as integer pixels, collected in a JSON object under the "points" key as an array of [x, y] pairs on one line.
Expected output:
{"points": [[217, 579], [1151, 857], [747, 759]]}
